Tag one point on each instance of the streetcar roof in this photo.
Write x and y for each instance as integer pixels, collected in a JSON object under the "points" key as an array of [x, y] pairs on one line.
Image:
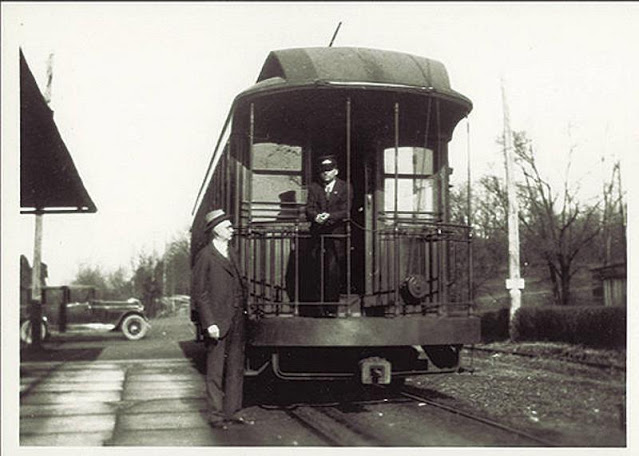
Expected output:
{"points": [[350, 66]]}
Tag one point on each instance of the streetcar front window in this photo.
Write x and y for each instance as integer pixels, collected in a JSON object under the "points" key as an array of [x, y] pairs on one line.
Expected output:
{"points": [[415, 196], [412, 167], [410, 160], [277, 182]]}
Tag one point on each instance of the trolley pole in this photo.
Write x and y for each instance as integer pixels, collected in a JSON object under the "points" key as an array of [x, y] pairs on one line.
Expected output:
{"points": [[514, 283], [335, 34]]}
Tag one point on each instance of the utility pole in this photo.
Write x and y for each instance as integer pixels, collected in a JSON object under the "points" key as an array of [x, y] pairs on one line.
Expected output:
{"points": [[164, 259], [621, 208], [514, 283], [36, 289], [36, 271]]}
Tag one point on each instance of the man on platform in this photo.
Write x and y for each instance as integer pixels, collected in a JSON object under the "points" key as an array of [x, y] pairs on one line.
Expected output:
{"points": [[327, 209]]}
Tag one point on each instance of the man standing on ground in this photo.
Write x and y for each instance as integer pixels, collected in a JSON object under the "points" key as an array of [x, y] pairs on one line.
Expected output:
{"points": [[327, 209], [220, 300]]}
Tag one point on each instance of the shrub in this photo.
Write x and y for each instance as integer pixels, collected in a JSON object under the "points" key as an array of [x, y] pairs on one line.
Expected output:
{"points": [[592, 325], [494, 324]]}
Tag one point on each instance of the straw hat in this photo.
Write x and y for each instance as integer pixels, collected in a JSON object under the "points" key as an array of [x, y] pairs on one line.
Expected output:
{"points": [[214, 218]]}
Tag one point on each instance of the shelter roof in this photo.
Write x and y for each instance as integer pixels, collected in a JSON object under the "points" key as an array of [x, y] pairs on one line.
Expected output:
{"points": [[49, 180]]}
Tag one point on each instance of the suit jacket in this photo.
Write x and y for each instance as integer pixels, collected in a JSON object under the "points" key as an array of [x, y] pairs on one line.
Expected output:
{"points": [[217, 288], [336, 205]]}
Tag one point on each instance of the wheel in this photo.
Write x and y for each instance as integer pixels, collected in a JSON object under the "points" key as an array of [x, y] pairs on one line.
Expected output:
{"points": [[134, 327], [26, 332]]}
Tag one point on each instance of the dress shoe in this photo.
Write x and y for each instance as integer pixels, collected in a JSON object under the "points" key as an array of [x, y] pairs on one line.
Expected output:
{"points": [[239, 420], [218, 423]]}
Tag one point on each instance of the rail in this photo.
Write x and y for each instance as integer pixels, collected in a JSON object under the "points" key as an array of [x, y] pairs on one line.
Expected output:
{"points": [[416, 395], [415, 268]]}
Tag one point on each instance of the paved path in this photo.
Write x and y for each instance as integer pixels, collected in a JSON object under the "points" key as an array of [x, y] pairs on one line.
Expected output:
{"points": [[98, 389], [113, 403], [143, 402]]}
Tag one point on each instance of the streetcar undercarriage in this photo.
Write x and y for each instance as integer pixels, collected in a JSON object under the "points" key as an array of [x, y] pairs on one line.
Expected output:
{"points": [[367, 365]]}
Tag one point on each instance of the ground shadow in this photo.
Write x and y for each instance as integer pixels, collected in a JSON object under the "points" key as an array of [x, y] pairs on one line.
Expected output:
{"points": [[349, 397], [267, 391], [426, 393], [59, 355], [195, 352]]}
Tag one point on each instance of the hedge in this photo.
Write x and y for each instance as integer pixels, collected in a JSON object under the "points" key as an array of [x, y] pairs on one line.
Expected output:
{"points": [[594, 326], [494, 325]]}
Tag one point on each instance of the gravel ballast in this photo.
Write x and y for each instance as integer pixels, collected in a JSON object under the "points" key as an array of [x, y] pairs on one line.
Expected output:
{"points": [[543, 393]]}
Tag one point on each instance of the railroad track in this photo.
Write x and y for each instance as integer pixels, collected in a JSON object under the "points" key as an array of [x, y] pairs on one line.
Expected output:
{"points": [[331, 427], [606, 366], [335, 423], [328, 422], [415, 394]]}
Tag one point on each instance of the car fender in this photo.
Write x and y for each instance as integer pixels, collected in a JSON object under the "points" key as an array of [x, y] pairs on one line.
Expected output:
{"points": [[44, 319], [119, 324]]}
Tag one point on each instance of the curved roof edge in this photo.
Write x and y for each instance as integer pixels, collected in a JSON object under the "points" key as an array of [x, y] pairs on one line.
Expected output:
{"points": [[352, 66]]}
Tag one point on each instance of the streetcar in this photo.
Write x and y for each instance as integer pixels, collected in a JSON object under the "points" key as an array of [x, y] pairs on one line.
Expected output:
{"points": [[405, 307]]}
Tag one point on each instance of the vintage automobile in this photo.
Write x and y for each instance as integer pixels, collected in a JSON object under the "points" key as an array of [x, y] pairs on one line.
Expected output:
{"points": [[75, 307]]}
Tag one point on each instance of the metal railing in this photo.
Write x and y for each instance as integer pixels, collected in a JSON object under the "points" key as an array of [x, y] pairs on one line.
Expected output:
{"points": [[417, 268]]}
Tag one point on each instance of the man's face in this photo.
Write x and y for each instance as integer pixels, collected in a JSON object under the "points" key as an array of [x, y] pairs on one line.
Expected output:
{"points": [[328, 176], [224, 230]]}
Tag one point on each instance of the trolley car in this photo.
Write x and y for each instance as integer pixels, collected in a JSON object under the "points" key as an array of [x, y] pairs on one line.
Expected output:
{"points": [[387, 117]]}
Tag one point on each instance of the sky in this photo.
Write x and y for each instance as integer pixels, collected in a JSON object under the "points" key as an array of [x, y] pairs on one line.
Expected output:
{"points": [[140, 93]]}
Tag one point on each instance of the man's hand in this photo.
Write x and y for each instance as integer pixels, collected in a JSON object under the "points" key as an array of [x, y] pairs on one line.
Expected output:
{"points": [[321, 218], [214, 331]]}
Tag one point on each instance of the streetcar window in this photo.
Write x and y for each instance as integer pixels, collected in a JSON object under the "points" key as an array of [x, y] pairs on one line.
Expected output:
{"points": [[415, 183], [410, 160], [277, 181], [414, 195], [277, 157], [275, 189]]}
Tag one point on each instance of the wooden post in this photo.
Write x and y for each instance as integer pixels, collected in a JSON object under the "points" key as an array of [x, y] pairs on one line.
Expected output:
{"points": [[36, 272], [514, 283], [36, 289]]}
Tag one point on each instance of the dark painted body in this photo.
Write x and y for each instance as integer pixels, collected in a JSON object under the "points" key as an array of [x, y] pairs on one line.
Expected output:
{"points": [[387, 118]]}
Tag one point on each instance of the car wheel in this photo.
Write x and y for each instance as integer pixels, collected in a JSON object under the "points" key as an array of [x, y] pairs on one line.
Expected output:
{"points": [[134, 327], [26, 333]]}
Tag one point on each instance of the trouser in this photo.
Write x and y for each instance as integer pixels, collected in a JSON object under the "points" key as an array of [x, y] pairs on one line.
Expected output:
{"points": [[329, 270], [225, 370]]}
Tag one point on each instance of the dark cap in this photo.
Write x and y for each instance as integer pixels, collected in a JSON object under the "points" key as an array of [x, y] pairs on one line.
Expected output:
{"points": [[326, 163], [214, 218]]}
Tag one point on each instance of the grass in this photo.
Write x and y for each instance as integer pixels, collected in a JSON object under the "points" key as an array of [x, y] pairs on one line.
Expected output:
{"points": [[558, 350]]}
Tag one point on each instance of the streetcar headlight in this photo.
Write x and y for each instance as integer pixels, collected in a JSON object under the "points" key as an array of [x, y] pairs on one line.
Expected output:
{"points": [[414, 289]]}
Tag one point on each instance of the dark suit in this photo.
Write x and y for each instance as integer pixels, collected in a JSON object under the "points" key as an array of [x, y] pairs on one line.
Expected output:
{"points": [[337, 205], [220, 298]]}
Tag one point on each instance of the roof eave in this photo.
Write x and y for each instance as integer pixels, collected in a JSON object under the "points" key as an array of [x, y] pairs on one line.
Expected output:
{"points": [[284, 87]]}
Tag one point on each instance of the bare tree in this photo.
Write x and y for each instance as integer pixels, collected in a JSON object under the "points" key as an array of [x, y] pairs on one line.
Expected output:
{"points": [[178, 265], [91, 275], [558, 225], [490, 243], [147, 281]]}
